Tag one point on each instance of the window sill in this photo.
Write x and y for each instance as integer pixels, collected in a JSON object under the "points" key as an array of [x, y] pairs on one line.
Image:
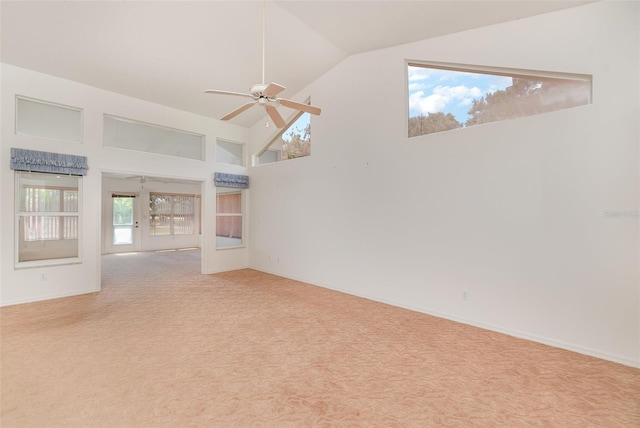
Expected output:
{"points": [[48, 263]]}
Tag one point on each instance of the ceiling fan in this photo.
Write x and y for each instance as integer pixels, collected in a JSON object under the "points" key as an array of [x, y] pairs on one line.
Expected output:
{"points": [[265, 94]]}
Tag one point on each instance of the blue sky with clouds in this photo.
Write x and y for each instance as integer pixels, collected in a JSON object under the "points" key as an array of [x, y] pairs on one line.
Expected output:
{"points": [[299, 124], [433, 90]]}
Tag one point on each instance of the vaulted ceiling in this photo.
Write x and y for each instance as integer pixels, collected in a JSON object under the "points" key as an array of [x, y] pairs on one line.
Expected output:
{"points": [[169, 52]]}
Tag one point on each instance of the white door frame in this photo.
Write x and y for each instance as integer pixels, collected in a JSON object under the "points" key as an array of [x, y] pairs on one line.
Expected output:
{"points": [[110, 247]]}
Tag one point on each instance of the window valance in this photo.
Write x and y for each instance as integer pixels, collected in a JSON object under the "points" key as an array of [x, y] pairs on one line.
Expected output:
{"points": [[56, 163], [221, 179]]}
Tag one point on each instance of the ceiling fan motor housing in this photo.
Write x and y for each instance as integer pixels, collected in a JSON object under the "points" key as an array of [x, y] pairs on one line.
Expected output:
{"points": [[258, 90]]}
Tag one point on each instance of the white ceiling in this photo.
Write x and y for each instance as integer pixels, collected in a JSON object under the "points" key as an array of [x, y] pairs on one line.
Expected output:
{"points": [[169, 52]]}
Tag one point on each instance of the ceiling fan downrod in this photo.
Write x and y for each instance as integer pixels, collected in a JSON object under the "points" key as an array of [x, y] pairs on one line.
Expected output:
{"points": [[264, 35]]}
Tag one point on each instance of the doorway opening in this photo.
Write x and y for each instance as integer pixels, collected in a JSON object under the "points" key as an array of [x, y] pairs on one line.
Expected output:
{"points": [[133, 222]]}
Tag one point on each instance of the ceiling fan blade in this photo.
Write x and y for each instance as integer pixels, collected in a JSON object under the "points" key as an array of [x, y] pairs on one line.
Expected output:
{"points": [[215, 91], [238, 111], [273, 89], [275, 116], [299, 106]]}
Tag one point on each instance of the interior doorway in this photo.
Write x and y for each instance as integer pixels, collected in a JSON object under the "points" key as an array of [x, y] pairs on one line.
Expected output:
{"points": [[134, 221]]}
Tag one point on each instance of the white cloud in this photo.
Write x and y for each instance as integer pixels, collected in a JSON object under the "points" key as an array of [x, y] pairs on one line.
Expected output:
{"points": [[458, 92], [430, 104], [445, 75], [418, 74], [465, 102], [442, 96]]}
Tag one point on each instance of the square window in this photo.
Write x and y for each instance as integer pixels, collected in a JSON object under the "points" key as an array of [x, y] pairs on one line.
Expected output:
{"points": [[230, 153]]}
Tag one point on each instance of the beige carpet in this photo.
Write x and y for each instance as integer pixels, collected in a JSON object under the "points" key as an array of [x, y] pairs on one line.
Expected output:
{"points": [[162, 346]]}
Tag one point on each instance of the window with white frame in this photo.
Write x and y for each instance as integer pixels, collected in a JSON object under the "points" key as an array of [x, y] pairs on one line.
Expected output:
{"points": [[172, 214], [229, 153], [229, 217], [40, 118], [150, 138], [270, 156], [443, 96], [48, 218], [294, 141]]}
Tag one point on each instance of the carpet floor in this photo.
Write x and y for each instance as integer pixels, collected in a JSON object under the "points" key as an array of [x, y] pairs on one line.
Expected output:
{"points": [[163, 346]]}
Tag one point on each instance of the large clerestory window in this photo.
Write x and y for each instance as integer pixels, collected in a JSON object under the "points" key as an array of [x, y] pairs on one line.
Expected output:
{"points": [[444, 97]]}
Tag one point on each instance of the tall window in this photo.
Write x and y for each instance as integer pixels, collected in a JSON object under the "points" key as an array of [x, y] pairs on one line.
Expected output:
{"points": [[294, 141], [228, 217], [48, 218], [171, 214], [443, 97]]}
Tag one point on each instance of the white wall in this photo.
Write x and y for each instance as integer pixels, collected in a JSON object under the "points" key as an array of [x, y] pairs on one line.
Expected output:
{"points": [[513, 213], [25, 285]]}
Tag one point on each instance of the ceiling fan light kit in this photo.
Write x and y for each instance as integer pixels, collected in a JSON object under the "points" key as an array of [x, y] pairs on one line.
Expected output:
{"points": [[265, 94]]}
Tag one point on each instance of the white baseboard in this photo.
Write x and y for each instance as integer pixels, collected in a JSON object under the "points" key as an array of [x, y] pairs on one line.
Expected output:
{"points": [[485, 326], [46, 297]]}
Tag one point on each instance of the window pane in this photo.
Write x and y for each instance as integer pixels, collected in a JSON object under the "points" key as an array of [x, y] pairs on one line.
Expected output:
{"points": [[41, 228], [48, 250], [228, 231], [122, 221], [122, 211], [144, 137], [53, 193], [293, 142], [171, 215], [122, 235], [70, 227], [228, 203], [183, 215], [44, 119], [38, 199], [159, 225], [70, 200], [48, 220], [159, 215], [444, 98], [229, 217], [229, 153], [269, 156]]}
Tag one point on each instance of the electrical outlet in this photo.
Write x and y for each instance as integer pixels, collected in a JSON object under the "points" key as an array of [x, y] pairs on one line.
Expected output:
{"points": [[465, 295], [43, 277]]}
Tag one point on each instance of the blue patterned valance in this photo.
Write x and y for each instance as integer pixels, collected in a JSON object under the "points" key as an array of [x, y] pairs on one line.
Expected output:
{"points": [[57, 163], [221, 179]]}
